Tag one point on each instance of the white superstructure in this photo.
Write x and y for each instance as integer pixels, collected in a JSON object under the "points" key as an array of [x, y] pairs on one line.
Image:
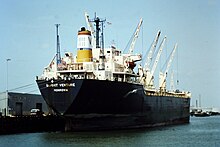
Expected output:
{"points": [[93, 61]]}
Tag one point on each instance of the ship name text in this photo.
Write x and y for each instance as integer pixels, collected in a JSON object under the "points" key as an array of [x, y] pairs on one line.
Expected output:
{"points": [[61, 85]]}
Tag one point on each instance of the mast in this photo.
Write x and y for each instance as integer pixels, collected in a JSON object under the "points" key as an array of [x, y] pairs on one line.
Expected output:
{"points": [[97, 21], [99, 29], [58, 45]]}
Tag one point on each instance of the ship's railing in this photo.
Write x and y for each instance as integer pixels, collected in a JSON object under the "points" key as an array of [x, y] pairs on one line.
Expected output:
{"points": [[87, 66], [175, 94], [75, 66]]}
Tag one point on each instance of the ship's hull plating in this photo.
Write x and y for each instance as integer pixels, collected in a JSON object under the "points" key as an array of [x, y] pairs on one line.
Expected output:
{"points": [[96, 104]]}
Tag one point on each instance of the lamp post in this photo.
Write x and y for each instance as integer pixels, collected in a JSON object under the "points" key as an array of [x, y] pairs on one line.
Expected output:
{"points": [[6, 101]]}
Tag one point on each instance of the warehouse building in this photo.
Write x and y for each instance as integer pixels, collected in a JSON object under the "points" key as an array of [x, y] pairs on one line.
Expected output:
{"points": [[17, 104]]}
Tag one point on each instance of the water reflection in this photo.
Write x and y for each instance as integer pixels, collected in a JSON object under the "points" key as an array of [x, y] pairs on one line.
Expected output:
{"points": [[101, 138]]}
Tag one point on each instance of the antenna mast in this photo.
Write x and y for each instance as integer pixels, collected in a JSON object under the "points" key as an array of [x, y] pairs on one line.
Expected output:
{"points": [[58, 45]]}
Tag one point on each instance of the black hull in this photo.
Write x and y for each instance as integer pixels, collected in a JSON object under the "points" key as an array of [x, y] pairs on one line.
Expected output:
{"points": [[96, 104]]}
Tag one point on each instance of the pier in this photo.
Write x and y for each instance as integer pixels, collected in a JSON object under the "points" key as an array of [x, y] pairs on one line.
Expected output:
{"points": [[31, 124]]}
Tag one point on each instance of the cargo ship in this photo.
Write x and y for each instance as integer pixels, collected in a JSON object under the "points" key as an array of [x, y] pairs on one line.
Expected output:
{"points": [[101, 88]]}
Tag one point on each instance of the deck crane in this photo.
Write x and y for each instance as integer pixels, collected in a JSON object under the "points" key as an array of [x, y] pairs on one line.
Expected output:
{"points": [[151, 51], [162, 76], [143, 72], [90, 28], [130, 58], [149, 76], [134, 39]]}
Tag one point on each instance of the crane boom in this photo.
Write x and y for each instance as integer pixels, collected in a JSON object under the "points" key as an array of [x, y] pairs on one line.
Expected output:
{"points": [[135, 37], [158, 55], [90, 28], [163, 75], [149, 74], [151, 51], [89, 24]]}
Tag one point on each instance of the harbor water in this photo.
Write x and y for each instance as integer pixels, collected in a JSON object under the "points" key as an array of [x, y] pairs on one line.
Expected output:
{"points": [[201, 131]]}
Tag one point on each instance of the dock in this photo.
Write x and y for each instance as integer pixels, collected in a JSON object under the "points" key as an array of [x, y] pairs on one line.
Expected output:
{"points": [[31, 124]]}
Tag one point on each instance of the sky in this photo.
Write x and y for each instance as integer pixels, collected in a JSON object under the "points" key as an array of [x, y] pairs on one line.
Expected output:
{"points": [[28, 38]]}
